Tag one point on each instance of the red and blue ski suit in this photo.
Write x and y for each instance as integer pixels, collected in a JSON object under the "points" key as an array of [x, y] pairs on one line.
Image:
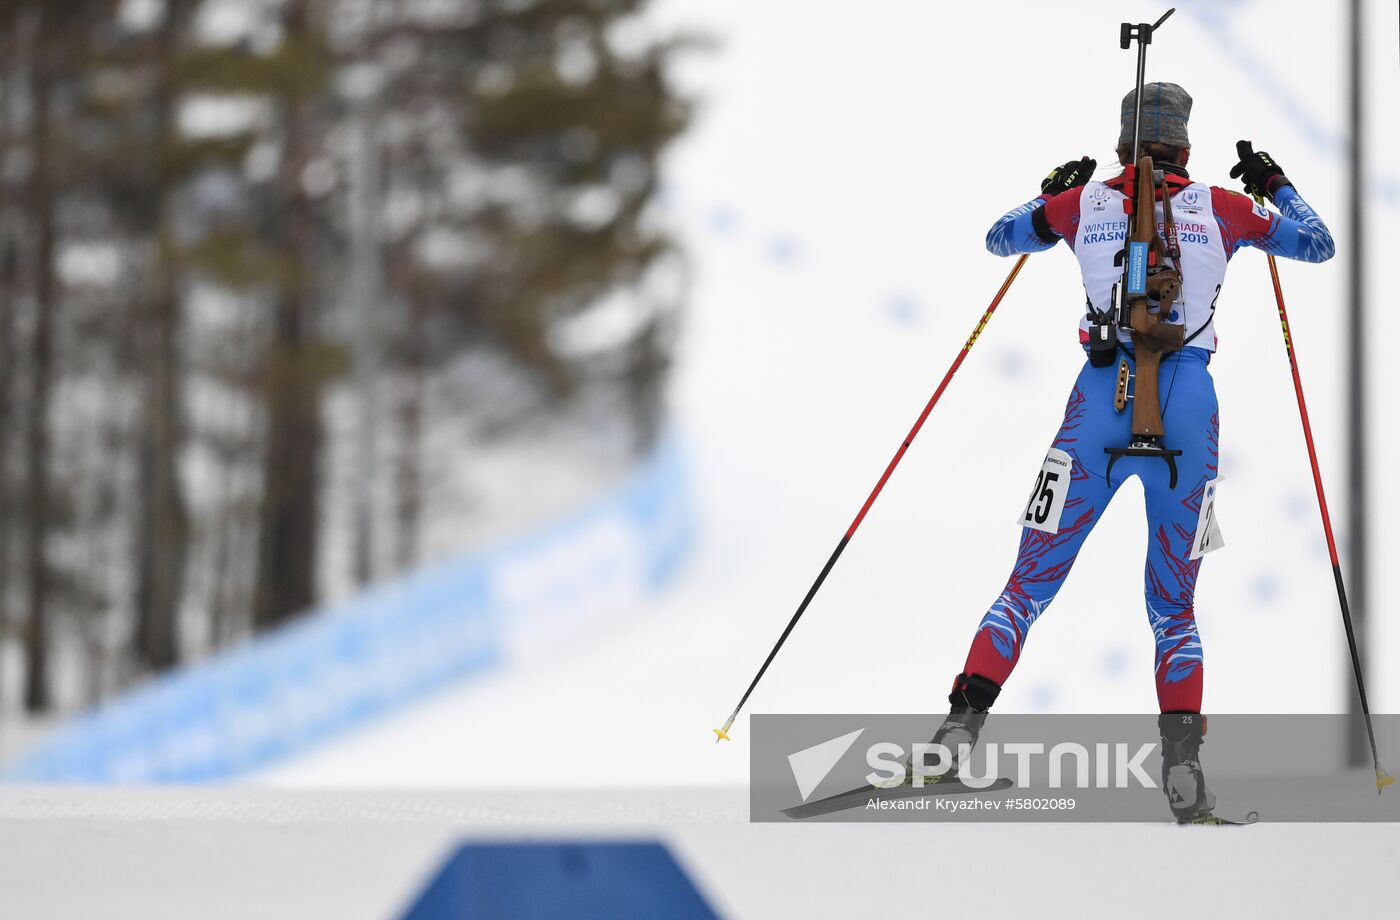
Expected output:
{"points": [[1212, 224]]}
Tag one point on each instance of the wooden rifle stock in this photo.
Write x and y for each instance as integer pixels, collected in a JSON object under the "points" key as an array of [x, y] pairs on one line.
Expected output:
{"points": [[1152, 336]]}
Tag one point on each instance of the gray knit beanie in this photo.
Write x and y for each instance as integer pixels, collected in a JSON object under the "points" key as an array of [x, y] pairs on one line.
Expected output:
{"points": [[1165, 109]]}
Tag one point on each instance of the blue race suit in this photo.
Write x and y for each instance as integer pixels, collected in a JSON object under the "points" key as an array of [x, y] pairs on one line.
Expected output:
{"points": [[1190, 416]]}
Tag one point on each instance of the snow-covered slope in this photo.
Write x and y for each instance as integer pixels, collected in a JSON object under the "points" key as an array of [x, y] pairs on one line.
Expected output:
{"points": [[834, 196]]}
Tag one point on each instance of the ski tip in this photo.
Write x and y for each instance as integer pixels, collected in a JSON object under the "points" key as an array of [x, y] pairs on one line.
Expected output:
{"points": [[720, 735], [1383, 779]]}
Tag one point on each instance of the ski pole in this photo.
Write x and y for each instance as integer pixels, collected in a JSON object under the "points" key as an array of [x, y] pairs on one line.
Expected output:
{"points": [[722, 734], [1383, 778]]}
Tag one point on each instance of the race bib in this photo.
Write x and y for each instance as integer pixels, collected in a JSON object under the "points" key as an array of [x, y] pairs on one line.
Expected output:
{"points": [[1208, 538], [1047, 501]]}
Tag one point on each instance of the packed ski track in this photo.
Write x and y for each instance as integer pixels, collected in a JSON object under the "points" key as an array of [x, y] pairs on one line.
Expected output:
{"points": [[233, 853]]}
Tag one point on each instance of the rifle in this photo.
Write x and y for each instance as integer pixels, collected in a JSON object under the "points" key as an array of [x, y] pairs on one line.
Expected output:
{"points": [[1151, 276]]}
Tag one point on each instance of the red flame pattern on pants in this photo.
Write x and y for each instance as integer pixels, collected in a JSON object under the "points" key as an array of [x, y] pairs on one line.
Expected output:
{"points": [[1043, 561]]}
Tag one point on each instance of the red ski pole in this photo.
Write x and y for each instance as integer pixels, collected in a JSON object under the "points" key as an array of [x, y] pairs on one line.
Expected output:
{"points": [[1383, 778], [723, 733]]}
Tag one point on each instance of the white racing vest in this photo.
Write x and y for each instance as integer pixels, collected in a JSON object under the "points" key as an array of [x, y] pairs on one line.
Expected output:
{"points": [[1099, 241]]}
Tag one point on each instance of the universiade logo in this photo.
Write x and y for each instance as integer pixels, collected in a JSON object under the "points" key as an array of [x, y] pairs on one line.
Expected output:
{"points": [[1067, 764]]}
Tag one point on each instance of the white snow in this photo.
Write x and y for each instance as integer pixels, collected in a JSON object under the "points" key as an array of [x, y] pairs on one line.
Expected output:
{"points": [[834, 196], [170, 854]]}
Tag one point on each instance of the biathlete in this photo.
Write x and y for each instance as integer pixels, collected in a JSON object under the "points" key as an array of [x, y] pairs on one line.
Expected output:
{"points": [[1077, 484]]}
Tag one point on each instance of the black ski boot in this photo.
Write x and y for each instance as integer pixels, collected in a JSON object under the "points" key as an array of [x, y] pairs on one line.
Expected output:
{"points": [[972, 696], [1182, 778]]}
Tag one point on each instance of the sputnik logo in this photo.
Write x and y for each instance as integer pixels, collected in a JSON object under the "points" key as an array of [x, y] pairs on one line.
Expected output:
{"points": [[811, 765]]}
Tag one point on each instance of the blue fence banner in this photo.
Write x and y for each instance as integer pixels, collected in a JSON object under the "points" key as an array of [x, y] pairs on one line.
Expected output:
{"points": [[331, 670]]}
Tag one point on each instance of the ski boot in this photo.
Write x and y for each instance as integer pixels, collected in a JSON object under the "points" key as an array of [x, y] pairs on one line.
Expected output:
{"points": [[1183, 780], [972, 696]]}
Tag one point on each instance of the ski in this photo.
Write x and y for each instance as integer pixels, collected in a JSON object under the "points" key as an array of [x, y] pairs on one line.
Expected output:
{"points": [[857, 798], [1216, 820]]}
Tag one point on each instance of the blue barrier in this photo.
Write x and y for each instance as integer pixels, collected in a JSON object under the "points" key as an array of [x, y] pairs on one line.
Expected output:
{"points": [[333, 669], [560, 881]]}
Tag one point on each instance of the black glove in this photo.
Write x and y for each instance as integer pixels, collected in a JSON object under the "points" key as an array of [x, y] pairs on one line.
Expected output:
{"points": [[1260, 173], [1071, 175]]}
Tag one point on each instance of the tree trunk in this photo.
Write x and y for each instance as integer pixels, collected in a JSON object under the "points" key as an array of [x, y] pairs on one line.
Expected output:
{"points": [[162, 522], [9, 289], [37, 692], [286, 582], [9, 292], [290, 515], [409, 504]]}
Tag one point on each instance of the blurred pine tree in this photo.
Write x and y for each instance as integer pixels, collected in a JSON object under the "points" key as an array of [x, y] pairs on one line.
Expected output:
{"points": [[527, 137], [174, 313]]}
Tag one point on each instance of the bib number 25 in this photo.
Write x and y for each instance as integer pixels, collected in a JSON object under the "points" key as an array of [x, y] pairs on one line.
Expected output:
{"points": [[1047, 502]]}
